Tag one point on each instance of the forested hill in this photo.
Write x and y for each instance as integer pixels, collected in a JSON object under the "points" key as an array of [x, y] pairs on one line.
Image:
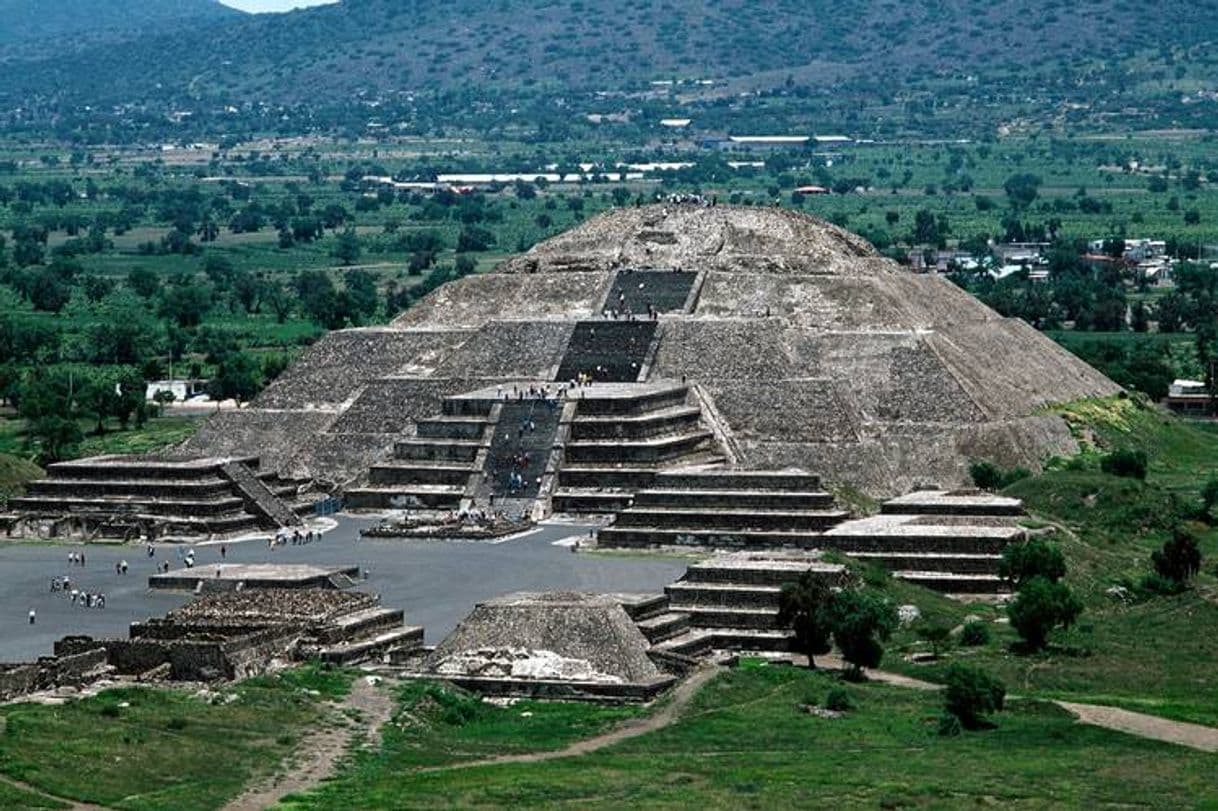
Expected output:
{"points": [[55, 26], [369, 47]]}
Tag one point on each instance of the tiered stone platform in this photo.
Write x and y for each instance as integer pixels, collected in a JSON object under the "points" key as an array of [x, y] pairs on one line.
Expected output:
{"points": [[950, 541], [239, 576], [721, 509], [729, 602], [622, 436], [239, 634], [154, 496]]}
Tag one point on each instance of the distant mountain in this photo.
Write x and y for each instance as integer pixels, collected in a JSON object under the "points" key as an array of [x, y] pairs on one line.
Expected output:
{"points": [[364, 48], [56, 23]]}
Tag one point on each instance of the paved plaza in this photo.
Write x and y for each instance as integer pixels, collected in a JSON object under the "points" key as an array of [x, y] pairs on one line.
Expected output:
{"points": [[436, 583]]}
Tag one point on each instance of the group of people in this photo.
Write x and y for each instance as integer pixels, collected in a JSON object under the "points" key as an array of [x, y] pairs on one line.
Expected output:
{"points": [[283, 537], [85, 599]]}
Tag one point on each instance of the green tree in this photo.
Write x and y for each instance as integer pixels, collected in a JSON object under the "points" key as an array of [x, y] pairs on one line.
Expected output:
{"points": [[1180, 557], [146, 282], [361, 291], [971, 694], [803, 606], [238, 377], [346, 247], [1022, 189], [861, 621], [1040, 607]]}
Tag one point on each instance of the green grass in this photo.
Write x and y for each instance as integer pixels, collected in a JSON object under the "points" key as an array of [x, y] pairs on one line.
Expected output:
{"points": [[15, 798], [745, 742], [164, 750], [438, 725]]}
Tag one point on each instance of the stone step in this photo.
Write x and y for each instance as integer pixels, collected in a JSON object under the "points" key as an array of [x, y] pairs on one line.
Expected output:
{"points": [[700, 641], [610, 351], [663, 290], [450, 428], [220, 507], [722, 595], [768, 572], [599, 476], [750, 480], [420, 496], [419, 472], [949, 543], [639, 537], [574, 500], [645, 451], [724, 617], [735, 499], [479, 407], [730, 520], [361, 624], [641, 606], [187, 489], [420, 448], [592, 404], [956, 583], [372, 647], [664, 626], [960, 563], [678, 419], [127, 469]]}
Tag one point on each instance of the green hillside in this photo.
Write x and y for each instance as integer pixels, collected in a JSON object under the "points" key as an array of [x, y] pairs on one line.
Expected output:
{"points": [[34, 26]]}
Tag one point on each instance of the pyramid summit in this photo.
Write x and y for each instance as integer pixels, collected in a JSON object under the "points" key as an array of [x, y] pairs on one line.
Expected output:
{"points": [[750, 337]]}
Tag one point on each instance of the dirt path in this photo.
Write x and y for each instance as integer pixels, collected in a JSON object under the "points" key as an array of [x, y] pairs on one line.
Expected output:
{"points": [[666, 715], [1154, 727], [72, 804], [320, 752], [1181, 733]]}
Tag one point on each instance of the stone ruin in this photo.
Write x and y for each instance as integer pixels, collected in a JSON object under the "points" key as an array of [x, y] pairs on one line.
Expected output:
{"points": [[151, 497], [235, 635], [748, 337]]}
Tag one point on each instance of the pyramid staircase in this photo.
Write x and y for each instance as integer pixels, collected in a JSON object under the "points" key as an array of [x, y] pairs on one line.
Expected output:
{"points": [[725, 509], [371, 633], [258, 498]]}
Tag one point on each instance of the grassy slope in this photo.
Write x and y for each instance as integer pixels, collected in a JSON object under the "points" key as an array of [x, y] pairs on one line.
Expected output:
{"points": [[1157, 655], [745, 743], [166, 750]]}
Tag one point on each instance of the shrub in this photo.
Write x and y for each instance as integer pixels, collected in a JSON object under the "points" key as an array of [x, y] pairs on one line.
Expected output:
{"points": [[1179, 559], [176, 724], [1035, 558], [1209, 496], [1129, 464], [935, 634], [971, 695], [949, 725], [1040, 606], [109, 711], [989, 476], [1155, 583], [838, 700], [975, 634]]}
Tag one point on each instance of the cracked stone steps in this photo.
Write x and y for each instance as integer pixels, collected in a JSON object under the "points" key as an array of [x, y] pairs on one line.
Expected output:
{"points": [[751, 499], [686, 594], [953, 503], [614, 537], [228, 506], [610, 351], [360, 624], [960, 563], [645, 451], [716, 519], [738, 481], [119, 469], [421, 449], [594, 402], [664, 290], [451, 427], [937, 539], [379, 645], [185, 490], [701, 641], [389, 474], [259, 500], [664, 626], [422, 496], [952, 583], [679, 419]]}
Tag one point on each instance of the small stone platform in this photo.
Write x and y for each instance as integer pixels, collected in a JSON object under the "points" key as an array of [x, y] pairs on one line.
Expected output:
{"points": [[234, 576], [952, 502]]}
